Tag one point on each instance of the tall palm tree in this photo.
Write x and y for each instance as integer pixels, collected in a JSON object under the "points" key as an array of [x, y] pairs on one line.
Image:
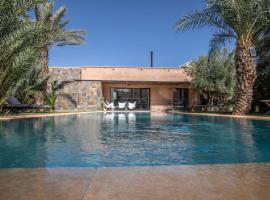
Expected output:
{"points": [[20, 41], [242, 21], [53, 20]]}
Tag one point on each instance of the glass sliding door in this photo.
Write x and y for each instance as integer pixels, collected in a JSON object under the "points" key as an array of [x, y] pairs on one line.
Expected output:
{"points": [[120, 95], [139, 95], [145, 99], [181, 97]]}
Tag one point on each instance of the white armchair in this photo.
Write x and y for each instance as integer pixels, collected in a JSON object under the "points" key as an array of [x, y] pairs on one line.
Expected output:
{"points": [[122, 105], [131, 106], [108, 106]]}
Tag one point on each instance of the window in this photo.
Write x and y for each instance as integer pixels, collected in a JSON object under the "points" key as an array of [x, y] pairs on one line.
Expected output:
{"points": [[181, 96], [139, 95]]}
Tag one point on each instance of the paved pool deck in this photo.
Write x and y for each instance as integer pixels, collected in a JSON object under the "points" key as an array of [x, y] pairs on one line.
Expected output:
{"points": [[198, 182]]}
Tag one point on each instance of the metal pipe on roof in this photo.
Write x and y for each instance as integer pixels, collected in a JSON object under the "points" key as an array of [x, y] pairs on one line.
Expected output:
{"points": [[152, 59]]}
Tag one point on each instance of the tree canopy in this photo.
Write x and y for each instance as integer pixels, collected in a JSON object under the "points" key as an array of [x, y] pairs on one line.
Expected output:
{"points": [[214, 76], [242, 21], [22, 41]]}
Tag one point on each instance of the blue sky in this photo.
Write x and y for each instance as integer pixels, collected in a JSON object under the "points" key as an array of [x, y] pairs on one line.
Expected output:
{"points": [[123, 32]]}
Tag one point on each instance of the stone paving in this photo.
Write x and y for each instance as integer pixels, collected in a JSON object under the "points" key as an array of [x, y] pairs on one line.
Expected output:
{"points": [[204, 182]]}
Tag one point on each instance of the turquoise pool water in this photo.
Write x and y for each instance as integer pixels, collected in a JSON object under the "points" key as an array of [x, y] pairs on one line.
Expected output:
{"points": [[132, 139]]}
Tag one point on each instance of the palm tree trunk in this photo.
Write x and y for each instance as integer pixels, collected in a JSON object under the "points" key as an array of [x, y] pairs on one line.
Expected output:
{"points": [[245, 78], [44, 62], [44, 59]]}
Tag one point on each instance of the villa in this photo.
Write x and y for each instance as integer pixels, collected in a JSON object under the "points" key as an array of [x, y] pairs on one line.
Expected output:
{"points": [[195, 131], [151, 88]]}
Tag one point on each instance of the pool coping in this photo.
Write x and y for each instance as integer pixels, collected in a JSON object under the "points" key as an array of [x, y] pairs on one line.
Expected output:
{"points": [[41, 115], [250, 117], [142, 167]]}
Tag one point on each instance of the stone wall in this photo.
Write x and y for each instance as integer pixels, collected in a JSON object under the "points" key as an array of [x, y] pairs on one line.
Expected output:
{"points": [[77, 94], [64, 74]]}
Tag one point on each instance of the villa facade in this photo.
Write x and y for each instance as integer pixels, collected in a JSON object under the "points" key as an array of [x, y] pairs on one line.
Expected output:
{"points": [[151, 88]]}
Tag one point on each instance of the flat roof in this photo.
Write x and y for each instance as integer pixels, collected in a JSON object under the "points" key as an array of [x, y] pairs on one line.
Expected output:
{"points": [[132, 74], [128, 67], [142, 74]]}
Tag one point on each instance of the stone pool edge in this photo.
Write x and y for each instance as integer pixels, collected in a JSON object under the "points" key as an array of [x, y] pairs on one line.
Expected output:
{"points": [[142, 167], [41, 115], [250, 117]]}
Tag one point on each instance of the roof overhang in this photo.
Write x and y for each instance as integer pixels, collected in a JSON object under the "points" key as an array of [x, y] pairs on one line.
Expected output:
{"points": [[128, 74]]}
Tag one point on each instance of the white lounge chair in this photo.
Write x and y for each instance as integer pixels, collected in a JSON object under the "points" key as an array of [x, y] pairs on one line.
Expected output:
{"points": [[108, 106], [131, 106], [122, 105]]}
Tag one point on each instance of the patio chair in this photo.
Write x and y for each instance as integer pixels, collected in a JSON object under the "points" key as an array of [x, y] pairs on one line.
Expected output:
{"points": [[122, 105], [13, 105], [108, 106], [131, 106]]}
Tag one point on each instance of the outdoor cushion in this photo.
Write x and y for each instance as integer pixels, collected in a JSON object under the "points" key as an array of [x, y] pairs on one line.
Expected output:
{"points": [[12, 101]]}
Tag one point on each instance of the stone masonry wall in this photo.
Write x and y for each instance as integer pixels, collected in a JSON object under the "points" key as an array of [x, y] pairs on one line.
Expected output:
{"points": [[77, 94]]}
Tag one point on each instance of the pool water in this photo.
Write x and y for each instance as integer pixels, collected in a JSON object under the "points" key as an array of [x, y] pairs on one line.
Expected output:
{"points": [[132, 139]]}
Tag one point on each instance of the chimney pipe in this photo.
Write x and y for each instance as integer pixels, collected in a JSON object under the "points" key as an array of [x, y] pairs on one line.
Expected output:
{"points": [[152, 59]]}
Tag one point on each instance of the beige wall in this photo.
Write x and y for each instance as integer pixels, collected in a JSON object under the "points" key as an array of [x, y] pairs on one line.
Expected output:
{"points": [[159, 93], [135, 74]]}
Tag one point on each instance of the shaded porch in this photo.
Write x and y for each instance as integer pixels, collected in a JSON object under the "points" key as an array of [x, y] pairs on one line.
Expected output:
{"points": [[154, 96]]}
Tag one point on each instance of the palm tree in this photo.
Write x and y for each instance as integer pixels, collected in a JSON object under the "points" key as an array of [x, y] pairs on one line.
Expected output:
{"points": [[20, 40], [45, 15], [31, 88], [242, 21], [51, 97]]}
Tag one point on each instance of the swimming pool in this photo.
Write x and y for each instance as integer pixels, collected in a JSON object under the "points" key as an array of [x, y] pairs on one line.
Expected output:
{"points": [[132, 139]]}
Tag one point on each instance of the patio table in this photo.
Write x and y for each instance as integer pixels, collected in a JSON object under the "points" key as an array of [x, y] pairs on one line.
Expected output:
{"points": [[267, 102]]}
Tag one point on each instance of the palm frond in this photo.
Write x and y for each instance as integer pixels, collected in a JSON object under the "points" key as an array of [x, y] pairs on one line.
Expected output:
{"points": [[20, 40], [75, 37], [58, 16], [198, 19], [219, 39], [247, 19], [56, 24]]}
